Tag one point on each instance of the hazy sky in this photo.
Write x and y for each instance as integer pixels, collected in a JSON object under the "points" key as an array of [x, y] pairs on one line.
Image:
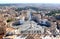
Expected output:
{"points": [[29, 1]]}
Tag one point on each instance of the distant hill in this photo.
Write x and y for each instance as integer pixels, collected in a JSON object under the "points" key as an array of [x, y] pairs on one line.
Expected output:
{"points": [[37, 5]]}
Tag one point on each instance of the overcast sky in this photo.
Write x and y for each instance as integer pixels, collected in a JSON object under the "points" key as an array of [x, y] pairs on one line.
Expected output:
{"points": [[29, 1]]}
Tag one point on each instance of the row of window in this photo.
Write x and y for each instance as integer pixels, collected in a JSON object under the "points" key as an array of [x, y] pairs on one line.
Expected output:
{"points": [[31, 32]]}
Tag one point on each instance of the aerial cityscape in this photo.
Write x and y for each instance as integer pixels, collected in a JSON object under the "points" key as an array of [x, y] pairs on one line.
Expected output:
{"points": [[30, 21]]}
